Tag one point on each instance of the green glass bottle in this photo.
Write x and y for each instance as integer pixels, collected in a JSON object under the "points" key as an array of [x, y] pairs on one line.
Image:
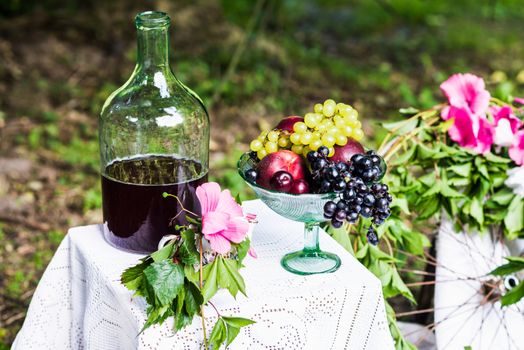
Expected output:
{"points": [[154, 138]]}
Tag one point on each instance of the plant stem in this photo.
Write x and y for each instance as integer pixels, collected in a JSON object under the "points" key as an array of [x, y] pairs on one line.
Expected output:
{"points": [[389, 245], [181, 204], [206, 346], [214, 307], [401, 139], [499, 102]]}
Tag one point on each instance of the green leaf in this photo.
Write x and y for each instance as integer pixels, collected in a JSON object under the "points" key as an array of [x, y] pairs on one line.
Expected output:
{"points": [[233, 325], [133, 277], [436, 188], [444, 126], [187, 251], [416, 242], [156, 315], [194, 298], [514, 221], [166, 279], [194, 221], [401, 203], [242, 250], [218, 334], [362, 252], [515, 263], [516, 259], [341, 235], [503, 197], [459, 181], [429, 207], [399, 285], [192, 274], [229, 277], [182, 318], [476, 210], [408, 111], [383, 271], [463, 170], [496, 159], [429, 179], [238, 321], [165, 252], [481, 167], [238, 199], [514, 295], [401, 127], [448, 192], [210, 275], [404, 157], [425, 152], [231, 334]]}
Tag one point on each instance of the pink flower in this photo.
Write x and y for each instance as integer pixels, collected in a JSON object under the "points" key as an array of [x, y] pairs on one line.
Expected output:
{"points": [[223, 220], [518, 100], [468, 92], [516, 150], [469, 130], [506, 125]]}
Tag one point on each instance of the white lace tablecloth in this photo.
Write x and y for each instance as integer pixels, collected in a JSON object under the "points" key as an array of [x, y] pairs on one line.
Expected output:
{"points": [[80, 304]]}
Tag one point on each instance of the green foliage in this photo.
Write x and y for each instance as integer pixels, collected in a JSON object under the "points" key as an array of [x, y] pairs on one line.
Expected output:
{"points": [[400, 342], [222, 273], [435, 176], [169, 282], [515, 264], [226, 330], [514, 295]]}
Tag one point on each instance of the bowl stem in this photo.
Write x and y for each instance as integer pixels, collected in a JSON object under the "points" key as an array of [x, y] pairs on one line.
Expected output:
{"points": [[311, 237], [310, 260]]}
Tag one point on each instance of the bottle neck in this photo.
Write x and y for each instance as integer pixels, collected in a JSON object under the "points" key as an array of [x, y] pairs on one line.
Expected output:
{"points": [[153, 49]]}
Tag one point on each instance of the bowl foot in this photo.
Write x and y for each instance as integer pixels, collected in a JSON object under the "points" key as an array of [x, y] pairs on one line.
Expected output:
{"points": [[306, 262]]}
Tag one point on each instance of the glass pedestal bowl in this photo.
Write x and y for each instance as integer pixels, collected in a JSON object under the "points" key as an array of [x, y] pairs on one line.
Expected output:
{"points": [[306, 208]]}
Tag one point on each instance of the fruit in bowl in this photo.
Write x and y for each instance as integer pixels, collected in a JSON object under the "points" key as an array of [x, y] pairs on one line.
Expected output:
{"points": [[277, 165], [344, 153], [329, 124], [322, 154], [288, 122]]}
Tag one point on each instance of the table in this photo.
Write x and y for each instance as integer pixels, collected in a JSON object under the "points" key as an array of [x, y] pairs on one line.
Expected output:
{"points": [[80, 303]]}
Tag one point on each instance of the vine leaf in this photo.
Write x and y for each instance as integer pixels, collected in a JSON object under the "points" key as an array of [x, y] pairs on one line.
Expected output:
{"points": [[165, 279], [187, 251], [514, 221], [133, 277], [476, 211], [226, 330], [164, 253], [515, 263], [230, 278], [514, 295], [210, 275]]}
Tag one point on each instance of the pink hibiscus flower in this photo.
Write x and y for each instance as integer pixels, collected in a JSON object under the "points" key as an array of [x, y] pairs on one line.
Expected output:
{"points": [[468, 101], [518, 100], [469, 130], [223, 220], [516, 150], [506, 125], [466, 91]]}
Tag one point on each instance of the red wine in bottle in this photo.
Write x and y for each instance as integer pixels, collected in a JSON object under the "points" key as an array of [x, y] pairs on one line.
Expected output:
{"points": [[136, 215]]}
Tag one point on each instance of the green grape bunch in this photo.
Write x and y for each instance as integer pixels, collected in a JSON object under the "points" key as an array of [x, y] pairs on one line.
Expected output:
{"points": [[330, 124]]}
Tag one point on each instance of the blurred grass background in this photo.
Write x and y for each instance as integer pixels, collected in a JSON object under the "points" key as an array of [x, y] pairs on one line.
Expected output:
{"points": [[252, 62]]}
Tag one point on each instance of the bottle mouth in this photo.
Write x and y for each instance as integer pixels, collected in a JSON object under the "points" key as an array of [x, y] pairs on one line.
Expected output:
{"points": [[152, 19]]}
